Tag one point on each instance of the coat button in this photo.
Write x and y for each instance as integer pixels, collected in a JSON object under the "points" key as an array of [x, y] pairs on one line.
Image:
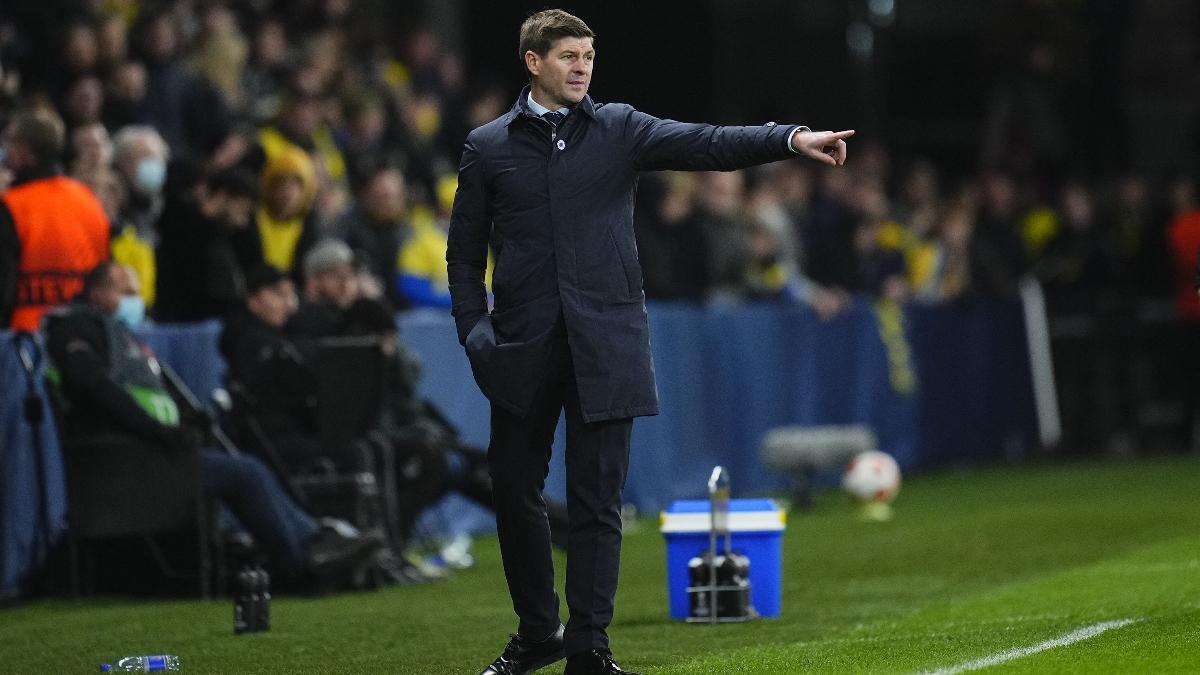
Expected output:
{"points": [[771, 124], [562, 144]]}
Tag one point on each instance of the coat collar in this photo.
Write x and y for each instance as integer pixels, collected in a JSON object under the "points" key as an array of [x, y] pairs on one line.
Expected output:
{"points": [[521, 107]]}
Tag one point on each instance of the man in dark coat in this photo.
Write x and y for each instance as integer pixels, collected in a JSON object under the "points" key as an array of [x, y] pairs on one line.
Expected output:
{"points": [[550, 186]]}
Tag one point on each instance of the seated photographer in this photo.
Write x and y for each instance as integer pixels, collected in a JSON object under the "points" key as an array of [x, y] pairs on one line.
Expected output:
{"points": [[431, 459], [113, 387]]}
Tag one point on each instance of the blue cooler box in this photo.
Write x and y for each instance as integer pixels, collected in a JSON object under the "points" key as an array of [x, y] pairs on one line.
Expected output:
{"points": [[756, 527]]}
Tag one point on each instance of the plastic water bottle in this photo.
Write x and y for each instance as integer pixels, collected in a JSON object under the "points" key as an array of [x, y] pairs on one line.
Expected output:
{"points": [[251, 600], [245, 601], [264, 599], [143, 664]]}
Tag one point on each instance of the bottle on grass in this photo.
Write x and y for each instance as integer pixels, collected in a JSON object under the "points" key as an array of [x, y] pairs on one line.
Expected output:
{"points": [[143, 664]]}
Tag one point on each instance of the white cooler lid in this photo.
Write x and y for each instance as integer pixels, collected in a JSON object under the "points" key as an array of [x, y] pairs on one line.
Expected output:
{"points": [[745, 515]]}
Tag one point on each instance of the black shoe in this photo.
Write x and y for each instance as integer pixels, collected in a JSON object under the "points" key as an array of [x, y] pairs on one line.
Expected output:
{"points": [[338, 549], [523, 655], [595, 662]]}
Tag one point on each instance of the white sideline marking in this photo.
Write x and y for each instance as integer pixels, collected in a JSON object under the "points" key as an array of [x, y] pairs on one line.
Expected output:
{"points": [[1071, 638]]}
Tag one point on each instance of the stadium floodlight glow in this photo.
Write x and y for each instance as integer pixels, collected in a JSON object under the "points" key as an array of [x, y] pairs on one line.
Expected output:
{"points": [[860, 38], [883, 12]]}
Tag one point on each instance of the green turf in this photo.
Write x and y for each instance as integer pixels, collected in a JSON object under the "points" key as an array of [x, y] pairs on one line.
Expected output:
{"points": [[973, 564]]}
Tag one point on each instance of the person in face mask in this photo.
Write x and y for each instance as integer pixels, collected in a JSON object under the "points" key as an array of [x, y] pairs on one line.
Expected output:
{"points": [[140, 158], [115, 390]]}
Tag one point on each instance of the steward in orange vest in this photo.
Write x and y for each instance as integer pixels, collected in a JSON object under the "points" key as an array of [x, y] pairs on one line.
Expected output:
{"points": [[52, 228]]}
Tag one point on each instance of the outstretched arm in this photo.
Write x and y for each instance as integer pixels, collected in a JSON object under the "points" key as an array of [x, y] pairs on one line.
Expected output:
{"points": [[658, 144], [467, 245]]}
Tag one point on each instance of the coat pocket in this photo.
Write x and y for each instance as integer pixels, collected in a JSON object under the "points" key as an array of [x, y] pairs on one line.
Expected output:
{"points": [[507, 373], [629, 265]]}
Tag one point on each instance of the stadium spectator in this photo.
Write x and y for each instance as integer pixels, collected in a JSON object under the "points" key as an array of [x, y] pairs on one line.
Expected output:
{"points": [[1070, 267], [1184, 232], [115, 390], [770, 245], [187, 111], [331, 285], [124, 103], [284, 221], [997, 253], [879, 245], [301, 126], [140, 158], [429, 456], [90, 153], [265, 76], [1134, 242], [407, 256], [376, 229], [270, 368], [724, 224], [365, 140], [671, 244], [78, 58], [112, 39], [944, 272], [220, 53], [421, 273], [827, 241], [919, 201], [207, 244], [52, 228], [83, 102]]}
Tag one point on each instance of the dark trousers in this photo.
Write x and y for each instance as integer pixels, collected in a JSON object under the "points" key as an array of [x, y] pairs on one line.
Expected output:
{"points": [[597, 462], [256, 499]]}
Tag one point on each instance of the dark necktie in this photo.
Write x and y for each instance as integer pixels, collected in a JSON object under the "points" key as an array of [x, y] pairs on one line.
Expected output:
{"points": [[554, 117]]}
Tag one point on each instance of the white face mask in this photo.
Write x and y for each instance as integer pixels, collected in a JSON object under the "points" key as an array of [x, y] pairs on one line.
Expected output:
{"points": [[150, 175]]}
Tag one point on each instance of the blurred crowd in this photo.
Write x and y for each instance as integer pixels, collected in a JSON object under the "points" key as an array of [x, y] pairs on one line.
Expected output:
{"points": [[909, 233], [218, 135]]}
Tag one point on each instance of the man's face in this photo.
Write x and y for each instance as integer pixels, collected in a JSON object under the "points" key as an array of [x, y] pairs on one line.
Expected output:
{"points": [[17, 155], [337, 286], [91, 145], [563, 76], [121, 283], [285, 196], [384, 197], [238, 211], [274, 304], [302, 117]]}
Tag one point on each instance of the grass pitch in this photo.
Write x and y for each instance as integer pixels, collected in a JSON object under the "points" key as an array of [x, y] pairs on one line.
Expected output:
{"points": [[979, 569]]}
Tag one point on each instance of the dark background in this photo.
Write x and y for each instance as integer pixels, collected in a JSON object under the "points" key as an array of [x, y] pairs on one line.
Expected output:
{"points": [[924, 86]]}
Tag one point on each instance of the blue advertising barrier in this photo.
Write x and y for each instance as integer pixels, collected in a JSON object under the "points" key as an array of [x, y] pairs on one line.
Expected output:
{"points": [[938, 385]]}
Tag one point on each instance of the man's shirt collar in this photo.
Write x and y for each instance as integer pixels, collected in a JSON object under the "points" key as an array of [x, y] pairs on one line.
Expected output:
{"points": [[541, 110], [522, 107]]}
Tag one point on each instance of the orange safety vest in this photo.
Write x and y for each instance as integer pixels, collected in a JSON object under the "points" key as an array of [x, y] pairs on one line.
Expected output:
{"points": [[63, 233]]}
